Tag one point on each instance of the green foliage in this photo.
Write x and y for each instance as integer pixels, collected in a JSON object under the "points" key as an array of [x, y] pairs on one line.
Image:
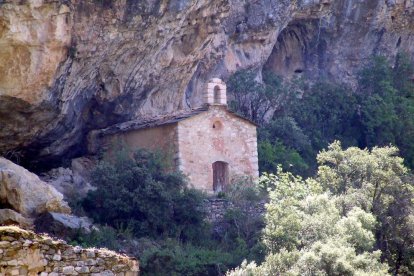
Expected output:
{"points": [[287, 130], [102, 237], [379, 115], [298, 120], [327, 112], [272, 154], [175, 259], [137, 190], [387, 105], [354, 218], [253, 99], [138, 197], [317, 240], [378, 182], [240, 229], [283, 223]]}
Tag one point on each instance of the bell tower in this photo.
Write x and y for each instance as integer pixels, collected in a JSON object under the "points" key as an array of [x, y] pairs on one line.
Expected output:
{"points": [[216, 92]]}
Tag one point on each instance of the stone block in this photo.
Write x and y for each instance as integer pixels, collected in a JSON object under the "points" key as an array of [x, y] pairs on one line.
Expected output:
{"points": [[4, 244], [211, 85], [68, 270], [82, 269], [216, 80], [90, 254], [57, 257]]}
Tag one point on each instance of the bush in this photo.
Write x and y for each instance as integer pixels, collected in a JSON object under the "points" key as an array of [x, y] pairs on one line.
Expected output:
{"points": [[272, 154], [241, 226], [101, 237], [137, 190], [149, 212], [176, 259]]}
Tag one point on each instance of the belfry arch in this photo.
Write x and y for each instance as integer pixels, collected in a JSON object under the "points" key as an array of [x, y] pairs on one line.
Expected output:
{"points": [[216, 92]]}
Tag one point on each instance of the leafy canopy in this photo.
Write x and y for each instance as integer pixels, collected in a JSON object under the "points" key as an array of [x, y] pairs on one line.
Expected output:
{"points": [[356, 213]]}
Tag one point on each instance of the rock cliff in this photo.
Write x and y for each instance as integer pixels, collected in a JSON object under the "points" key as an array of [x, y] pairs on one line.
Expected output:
{"points": [[70, 66]]}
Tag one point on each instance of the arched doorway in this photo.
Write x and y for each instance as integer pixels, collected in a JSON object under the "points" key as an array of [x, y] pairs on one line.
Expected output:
{"points": [[220, 176]]}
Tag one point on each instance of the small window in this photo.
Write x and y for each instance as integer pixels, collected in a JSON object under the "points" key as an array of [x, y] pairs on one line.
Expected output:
{"points": [[217, 125], [217, 94]]}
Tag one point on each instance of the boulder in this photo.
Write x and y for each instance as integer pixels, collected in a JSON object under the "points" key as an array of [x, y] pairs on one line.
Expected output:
{"points": [[72, 182], [11, 217], [62, 225], [24, 192]]}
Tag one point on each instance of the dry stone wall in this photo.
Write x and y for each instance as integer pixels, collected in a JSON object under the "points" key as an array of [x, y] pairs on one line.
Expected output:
{"points": [[217, 207], [26, 253]]}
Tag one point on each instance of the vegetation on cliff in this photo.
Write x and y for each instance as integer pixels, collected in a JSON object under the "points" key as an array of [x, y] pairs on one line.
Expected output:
{"points": [[305, 117], [369, 192]]}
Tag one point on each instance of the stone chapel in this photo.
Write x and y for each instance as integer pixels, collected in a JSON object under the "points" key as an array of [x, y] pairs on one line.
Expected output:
{"points": [[210, 144]]}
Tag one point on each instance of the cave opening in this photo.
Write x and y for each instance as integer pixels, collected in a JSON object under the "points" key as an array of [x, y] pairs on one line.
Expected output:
{"points": [[5, 205], [297, 50]]}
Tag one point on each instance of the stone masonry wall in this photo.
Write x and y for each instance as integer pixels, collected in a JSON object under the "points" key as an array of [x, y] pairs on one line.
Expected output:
{"points": [[156, 138], [216, 135], [217, 207], [26, 253]]}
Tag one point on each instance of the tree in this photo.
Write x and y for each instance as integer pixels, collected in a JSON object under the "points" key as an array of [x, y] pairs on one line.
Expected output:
{"points": [[256, 100], [378, 182], [356, 217], [306, 233], [403, 74], [327, 112], [272, 154], [387, 105]]}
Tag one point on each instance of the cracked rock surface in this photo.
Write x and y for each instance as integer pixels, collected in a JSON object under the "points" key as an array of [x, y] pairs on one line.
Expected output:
{"points": [[71, 66]]}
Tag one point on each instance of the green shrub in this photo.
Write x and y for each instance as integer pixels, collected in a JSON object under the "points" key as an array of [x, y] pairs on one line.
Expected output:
{"points": [[241, 226], [272, 154], [175, 259], [101, 237], [137, 190]]}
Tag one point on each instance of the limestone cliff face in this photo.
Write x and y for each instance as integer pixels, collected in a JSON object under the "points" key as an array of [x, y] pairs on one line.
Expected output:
{"points": [[70, 66], [342, 37]]}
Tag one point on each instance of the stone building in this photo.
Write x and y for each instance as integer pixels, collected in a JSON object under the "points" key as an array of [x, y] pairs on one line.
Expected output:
{"points": [[209, 144]]}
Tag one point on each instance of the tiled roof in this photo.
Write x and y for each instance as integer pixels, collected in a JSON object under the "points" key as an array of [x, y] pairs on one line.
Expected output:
{"points": [[159, 121], [152, 122]]}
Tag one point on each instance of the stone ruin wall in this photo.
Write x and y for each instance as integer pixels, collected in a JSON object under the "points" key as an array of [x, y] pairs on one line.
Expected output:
{"points": [[217, 207], [26, 253]]}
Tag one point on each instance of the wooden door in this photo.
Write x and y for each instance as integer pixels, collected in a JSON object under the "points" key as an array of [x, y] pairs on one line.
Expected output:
{"points": [[220, 176]]}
